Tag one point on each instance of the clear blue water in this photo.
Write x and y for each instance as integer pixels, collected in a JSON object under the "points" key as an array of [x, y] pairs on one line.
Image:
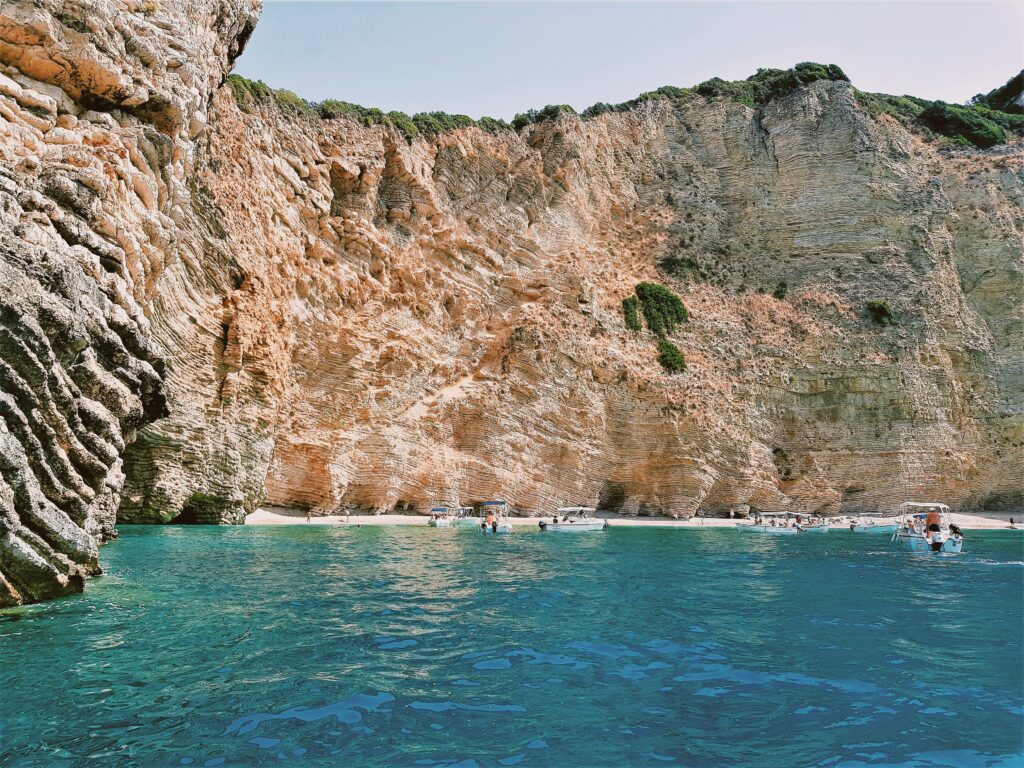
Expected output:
{"points": [[418, 647]]}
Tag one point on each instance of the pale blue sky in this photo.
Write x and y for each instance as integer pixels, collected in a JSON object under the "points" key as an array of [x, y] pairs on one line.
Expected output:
{"points": [[500, 58]]}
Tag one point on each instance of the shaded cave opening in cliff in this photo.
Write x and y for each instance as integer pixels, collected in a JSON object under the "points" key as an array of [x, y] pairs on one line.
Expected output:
{"points": [[187, 516], [612, 496], [198, 509]]}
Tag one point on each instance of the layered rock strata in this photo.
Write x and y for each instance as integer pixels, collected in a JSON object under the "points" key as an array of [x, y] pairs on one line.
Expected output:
{"points": [[102, 107], [334, 316]]}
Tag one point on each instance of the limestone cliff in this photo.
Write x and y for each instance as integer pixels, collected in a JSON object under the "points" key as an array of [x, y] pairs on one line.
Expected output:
{"points": [[340, 316], [102, 104]]}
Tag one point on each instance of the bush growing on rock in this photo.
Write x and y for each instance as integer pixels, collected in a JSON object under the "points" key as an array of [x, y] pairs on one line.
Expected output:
{"points": [[767, 84], [249, 93], [963, 122], [631, 313], [780, 291], [671, 359], [880, 311], [1006, 98], [550, 112], [662, 309], [974, 125]]}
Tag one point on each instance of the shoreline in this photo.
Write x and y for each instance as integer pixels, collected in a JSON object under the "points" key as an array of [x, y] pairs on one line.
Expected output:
{"points": [[263, 516]]}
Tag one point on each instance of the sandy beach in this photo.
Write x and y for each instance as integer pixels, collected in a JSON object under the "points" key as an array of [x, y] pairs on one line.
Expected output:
{"points": [[280, 516]]}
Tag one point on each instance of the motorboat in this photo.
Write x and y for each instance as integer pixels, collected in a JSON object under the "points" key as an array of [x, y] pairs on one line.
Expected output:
{"points": [[574, 520], [465, 518], [443, 517], [773, 523], [812, 525], [494, 516], [926, 527], [869, 525]]}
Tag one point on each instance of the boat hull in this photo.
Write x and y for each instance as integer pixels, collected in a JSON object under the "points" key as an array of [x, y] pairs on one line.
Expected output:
{"points": [[771, 530], [502, 527], [886, 529], [442, 523], [915, 542], [814, 529], [577, 527]]}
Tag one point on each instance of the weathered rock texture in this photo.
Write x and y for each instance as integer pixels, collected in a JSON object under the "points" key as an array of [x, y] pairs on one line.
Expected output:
{"points": [[102, 108], [339, 317]]}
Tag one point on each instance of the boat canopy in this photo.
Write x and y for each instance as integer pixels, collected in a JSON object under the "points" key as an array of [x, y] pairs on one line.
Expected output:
{"points": [[927, 506], [440, 509], [495, 503], [576, 511]]}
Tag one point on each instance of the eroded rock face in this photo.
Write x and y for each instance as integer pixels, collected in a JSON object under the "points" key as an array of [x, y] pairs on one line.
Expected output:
{"points": [[440, 319], [102, 108], [336, 317]]}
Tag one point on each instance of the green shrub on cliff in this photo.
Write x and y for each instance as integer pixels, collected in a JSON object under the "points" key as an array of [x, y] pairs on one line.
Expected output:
{"points": [[663, 311], [292, 102], [974, 125], [661, 308], [1006, 98], [249, 94], [768, 84], [780, 291], [671, 359], [880, 311], [631, 314], [962, 122], [550, 112], [665, 92]]}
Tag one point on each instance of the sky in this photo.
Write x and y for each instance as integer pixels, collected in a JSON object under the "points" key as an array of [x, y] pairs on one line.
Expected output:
{"points": [[501, 58]]}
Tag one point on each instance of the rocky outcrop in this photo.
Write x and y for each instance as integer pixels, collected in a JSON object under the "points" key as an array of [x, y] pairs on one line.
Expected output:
{"points": [[206, 307], [102, 106]]}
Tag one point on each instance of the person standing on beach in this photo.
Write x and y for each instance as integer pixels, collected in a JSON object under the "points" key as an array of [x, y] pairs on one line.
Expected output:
{"points": [[308, 518]]}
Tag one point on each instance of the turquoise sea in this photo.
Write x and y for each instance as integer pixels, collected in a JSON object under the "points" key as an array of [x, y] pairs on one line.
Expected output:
{"points": [[333, 646]]}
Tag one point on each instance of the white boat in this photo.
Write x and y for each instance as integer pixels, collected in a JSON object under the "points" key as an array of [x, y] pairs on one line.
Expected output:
{"points": [[452, 516], [926, 527], [816, 528], [466, 519], [495, 517], [443, 517], [812, 525], [867, 525], [777, 524], [574, 520]]}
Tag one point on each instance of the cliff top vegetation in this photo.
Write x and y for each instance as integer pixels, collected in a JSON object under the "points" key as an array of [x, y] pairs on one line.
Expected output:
{"points": [[990, 119]]}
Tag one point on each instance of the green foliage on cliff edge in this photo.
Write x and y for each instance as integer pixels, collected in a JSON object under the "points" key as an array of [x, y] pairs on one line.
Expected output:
{"points": [[549, 113], [1006, 98], [985, 122], [251, 94], [768, 84]]}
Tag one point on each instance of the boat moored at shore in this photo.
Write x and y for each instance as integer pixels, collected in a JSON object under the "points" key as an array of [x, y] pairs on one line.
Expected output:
{"points": [[872, 524], [772, 523], [494, 516], [442, 517], [926, 527], [574, 520]]}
